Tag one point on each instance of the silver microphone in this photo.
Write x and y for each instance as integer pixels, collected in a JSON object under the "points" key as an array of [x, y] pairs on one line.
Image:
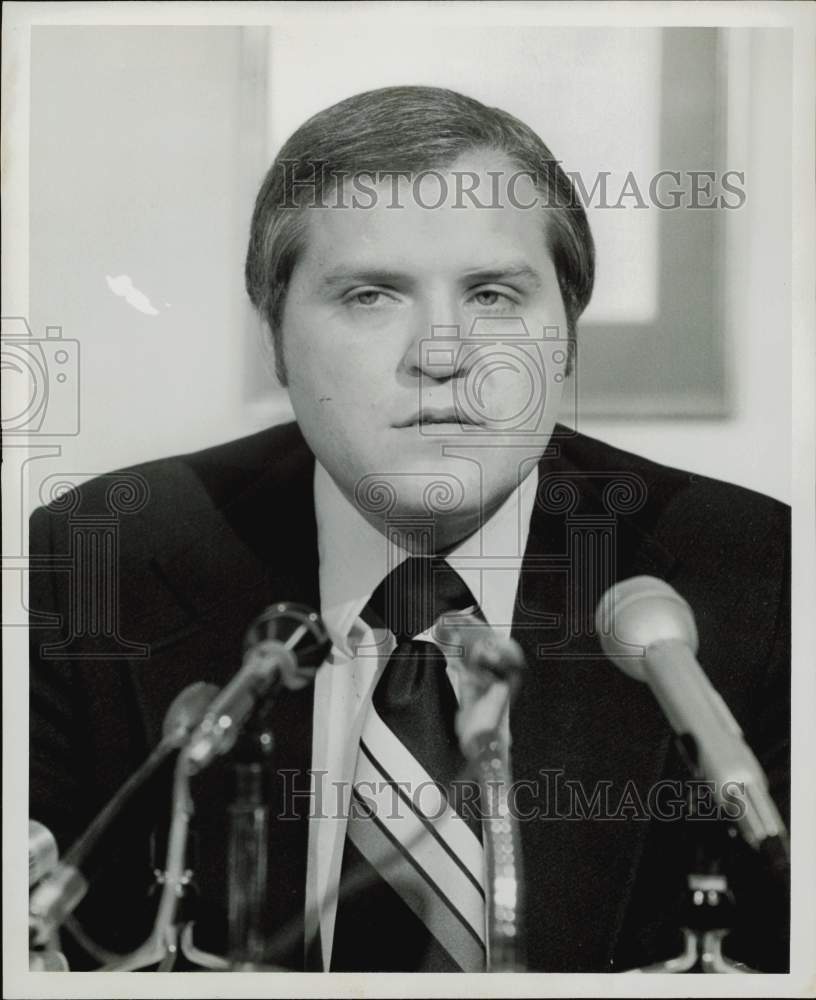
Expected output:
{"points": [[490, 669], [648, 631], [480, 647], [283, 648], [43, 857]]}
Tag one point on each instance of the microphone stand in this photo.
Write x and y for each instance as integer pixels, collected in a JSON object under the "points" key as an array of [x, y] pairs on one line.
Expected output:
{"points": [[248, 848], [247, 860], [490, 671], [489, 757], [161, 948], [247, 864], [283, 647], [171, 936], [708, 907]]}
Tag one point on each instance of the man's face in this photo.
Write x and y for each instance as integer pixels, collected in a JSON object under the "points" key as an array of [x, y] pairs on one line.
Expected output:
{"points": [[427, 345]]}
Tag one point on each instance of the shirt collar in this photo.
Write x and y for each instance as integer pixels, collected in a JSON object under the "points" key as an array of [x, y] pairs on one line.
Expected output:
{"points": [[355, 556]]}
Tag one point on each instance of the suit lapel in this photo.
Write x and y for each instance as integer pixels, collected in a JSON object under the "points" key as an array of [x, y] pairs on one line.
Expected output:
{"points": [[265, 537], [588, 741]]}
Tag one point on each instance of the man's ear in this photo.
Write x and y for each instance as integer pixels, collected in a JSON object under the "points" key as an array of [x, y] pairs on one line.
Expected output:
{"points": [[569, 367], [273, 347], [280, 364]]}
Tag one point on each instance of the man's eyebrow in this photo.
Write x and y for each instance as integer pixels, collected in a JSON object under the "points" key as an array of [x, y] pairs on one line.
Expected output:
{"points": [[374, 275], [506, 272], [361, 276]]}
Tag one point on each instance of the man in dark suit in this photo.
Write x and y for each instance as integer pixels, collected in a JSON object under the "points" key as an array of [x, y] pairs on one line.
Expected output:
{"points": [[421, 261]]}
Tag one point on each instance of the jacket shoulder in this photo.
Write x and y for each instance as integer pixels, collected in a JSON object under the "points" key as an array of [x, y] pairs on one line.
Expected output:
{"points": [[189, 484], [684, 508]]}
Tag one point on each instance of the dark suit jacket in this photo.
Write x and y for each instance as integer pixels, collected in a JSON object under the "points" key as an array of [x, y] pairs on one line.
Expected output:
{"points": [[196, 545]]}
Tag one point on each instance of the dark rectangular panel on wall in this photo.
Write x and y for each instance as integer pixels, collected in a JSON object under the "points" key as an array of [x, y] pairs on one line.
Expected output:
{"points": [[673, 365]]}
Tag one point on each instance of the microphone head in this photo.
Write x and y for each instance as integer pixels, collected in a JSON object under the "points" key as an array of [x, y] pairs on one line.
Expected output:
{"points": [[480, 647], [187, 709], [637, 613], [300, 631], [42, 852]]}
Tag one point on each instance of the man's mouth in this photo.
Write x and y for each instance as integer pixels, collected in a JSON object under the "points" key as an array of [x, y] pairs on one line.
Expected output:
{"points": [[430, 416]]}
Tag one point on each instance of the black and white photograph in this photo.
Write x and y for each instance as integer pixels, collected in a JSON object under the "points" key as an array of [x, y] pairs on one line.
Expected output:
{"points": [[408, 484]]}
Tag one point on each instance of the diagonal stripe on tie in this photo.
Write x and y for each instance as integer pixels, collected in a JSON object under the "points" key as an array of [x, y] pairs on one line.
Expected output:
{"points": [[404, 824], [431, 854], [423, 797], [420, 892], [441, 824]]}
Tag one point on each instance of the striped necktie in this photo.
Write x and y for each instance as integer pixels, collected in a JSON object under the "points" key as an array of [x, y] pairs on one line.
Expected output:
{"points": [[413, 822]]}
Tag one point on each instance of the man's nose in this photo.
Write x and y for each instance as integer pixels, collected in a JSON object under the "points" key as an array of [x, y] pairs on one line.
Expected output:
{"points": [[435, 349]]}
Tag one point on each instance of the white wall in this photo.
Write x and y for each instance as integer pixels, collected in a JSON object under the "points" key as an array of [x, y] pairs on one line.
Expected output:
{"points": [[138, 168]]}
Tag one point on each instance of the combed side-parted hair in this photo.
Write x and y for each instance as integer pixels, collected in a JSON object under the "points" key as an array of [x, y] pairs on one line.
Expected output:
{"points": [[406, 130]]}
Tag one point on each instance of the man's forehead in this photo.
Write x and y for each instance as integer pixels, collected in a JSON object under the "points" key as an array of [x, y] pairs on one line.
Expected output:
{"points": [[380, 225], [341, 248], [475, 177]]}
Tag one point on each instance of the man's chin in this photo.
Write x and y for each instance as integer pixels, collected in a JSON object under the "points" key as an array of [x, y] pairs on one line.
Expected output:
{"points": [[424, 524], [431, 485]]}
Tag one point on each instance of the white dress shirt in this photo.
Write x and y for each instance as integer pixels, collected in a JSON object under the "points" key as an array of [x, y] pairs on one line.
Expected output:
{"points": [[354, 558]]}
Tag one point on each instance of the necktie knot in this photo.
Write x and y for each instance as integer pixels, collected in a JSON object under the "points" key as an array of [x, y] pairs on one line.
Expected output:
{"points": [[412, 597]]}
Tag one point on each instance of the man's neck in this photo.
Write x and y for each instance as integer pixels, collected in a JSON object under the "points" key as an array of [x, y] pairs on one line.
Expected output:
{"points": [[440, 535]]}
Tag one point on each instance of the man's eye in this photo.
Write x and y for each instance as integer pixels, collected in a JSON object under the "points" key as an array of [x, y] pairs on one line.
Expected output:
{"points": [[491, 297], [366, 297]]}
